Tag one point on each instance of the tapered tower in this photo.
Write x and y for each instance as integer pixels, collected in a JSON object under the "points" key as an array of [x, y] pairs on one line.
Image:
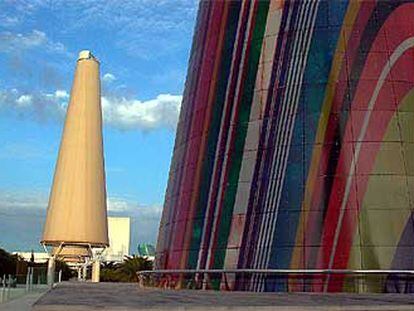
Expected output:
{"points": [[76, 215]]}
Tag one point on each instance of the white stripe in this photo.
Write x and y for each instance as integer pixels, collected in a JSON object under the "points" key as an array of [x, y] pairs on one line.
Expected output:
{"points": [[261, 235], [217, 151], [284, 137], [404, 46], [284, 115], [262, 84], [292, 79], [261, 226], [222, 187], [287, 129], [287, 143]]}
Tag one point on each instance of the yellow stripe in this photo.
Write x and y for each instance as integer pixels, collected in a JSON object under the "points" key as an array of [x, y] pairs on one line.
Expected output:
{"points": [[385, 210], [350, 16]]}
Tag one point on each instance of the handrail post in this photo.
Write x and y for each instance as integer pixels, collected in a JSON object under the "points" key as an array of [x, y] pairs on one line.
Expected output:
{"points": [[27, 279], [3, 288], [206, 283], [226, 283], [31, 278], [242, 279], [9, 286]]}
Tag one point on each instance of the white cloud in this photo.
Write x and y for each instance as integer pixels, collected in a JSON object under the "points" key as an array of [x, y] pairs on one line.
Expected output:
{"points": [[127, 205], [123, 113], [131, 207], [117, 205], [118, 112], [39, 200], [145, 218], [24, 100], [8, 21], [24, 213], [162, 24], [61, 94], [13, 200], [39, 106], [12, 42], [108, 77]]}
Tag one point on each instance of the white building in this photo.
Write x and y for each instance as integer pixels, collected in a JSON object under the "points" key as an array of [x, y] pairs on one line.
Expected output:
{"points": [[119, 231], [39, 257]]}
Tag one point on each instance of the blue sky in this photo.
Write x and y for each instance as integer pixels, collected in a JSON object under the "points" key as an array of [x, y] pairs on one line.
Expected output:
{"points": [[143, 47]]}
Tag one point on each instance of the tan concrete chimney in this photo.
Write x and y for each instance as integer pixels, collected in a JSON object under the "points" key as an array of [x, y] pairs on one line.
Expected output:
{"points": [[77, 204]]}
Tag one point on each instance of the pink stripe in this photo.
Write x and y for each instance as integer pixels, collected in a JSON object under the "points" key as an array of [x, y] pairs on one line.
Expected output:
{"points": [[192, 152], [222, 144], [228, 158]]}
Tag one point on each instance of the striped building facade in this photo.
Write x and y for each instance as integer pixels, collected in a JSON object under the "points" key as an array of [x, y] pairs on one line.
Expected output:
{"points": [[295, 144]]}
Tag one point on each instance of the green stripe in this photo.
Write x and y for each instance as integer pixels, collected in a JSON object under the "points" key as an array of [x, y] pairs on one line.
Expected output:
{"points": [[240, 135], [213, 133]]}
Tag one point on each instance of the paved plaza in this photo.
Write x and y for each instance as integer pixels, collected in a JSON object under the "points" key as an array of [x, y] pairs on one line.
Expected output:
{"points": [[23, 303], [74, 296]]}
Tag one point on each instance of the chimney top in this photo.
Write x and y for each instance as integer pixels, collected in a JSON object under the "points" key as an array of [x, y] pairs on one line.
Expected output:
{"points": [[86, 54]]}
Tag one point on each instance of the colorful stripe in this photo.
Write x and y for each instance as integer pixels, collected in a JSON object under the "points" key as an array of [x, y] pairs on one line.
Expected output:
{"points": [[294, 147]]}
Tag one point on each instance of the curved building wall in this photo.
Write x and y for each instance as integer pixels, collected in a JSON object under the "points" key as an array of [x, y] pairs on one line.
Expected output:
{"points": [[295, 144]]}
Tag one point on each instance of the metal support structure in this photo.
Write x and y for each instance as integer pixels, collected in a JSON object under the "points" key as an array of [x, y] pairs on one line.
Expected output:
{"points": [[79, 273], [96, 270], [85, 271], [93, 259], [51, 271], [51, 264], [96, 263]]}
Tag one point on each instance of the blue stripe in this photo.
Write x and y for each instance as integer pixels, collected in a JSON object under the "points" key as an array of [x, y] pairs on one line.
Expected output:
{"points": [[318, 67], [246, 250]]}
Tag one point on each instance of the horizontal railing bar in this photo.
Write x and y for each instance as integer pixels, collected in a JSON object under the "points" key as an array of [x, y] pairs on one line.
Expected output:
{"points": [[275, 271]]}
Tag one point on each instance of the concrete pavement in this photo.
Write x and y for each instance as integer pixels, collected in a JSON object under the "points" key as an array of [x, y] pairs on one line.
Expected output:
{"points": [[73, 296], [23, 303]]}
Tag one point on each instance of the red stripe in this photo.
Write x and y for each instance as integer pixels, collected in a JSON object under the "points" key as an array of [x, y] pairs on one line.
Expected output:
{"points": [[170, 207], [376, 129], [223, 137], [195, 131], [232, 129], [313, 225]]}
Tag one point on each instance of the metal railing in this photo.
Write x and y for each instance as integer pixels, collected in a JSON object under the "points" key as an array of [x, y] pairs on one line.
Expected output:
{"points": [[204, 278], [15, 286]]}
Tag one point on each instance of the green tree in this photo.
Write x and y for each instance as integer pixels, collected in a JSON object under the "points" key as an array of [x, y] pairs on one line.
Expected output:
{"points": [[8, 262], [67, 272], [125, 271], [131, 265]]}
